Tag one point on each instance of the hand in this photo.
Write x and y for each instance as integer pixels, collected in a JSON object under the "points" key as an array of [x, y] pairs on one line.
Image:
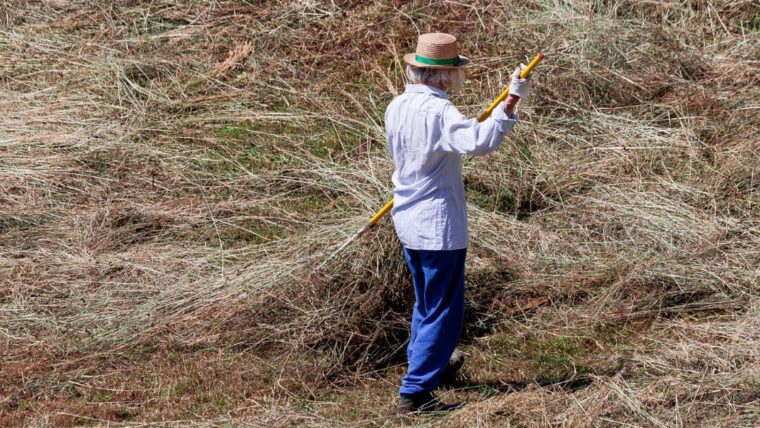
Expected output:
{"points": [[519, 87], [510, 104]]}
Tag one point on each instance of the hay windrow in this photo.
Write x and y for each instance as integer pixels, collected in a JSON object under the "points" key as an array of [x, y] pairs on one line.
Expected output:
{"points": [[171, 173]]}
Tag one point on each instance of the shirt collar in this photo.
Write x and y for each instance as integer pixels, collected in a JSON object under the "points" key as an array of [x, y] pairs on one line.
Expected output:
{"points": [[419, 88]]}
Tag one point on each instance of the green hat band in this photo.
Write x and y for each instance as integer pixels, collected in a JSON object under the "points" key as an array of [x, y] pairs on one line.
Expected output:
{"points": [[434, 61]]}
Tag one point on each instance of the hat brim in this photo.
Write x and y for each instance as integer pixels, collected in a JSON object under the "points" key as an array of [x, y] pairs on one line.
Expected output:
{"points": [[410, 59]]}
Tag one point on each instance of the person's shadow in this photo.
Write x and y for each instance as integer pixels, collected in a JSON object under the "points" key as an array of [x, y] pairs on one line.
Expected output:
{"points": [[490, 387]]}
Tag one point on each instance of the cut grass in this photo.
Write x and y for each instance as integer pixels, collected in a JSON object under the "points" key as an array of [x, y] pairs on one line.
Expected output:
{"points": [[172, 171]]}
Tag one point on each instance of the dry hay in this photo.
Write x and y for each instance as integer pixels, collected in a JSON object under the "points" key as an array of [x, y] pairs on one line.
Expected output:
{"points": [[171, 173]]}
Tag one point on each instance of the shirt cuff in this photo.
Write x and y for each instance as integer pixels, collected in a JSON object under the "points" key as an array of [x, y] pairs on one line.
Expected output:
{"points": [[504, 123]]}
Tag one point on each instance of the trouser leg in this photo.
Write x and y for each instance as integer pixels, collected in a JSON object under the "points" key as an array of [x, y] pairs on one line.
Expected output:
{"points": [[439, 309], [418, 283]]}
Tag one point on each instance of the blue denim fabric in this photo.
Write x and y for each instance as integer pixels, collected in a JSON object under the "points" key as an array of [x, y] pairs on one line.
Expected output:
{"points": [[438, 279]]}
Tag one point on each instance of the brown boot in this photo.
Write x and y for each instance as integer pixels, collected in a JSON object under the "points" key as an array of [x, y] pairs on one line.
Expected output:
{"points": [[422, 402]]}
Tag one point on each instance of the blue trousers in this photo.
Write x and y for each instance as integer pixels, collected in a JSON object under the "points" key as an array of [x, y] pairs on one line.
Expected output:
{"points": [[438, 279]]}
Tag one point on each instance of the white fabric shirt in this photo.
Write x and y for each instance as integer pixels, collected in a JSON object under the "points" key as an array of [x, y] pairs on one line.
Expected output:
{"points": [[427, 137]]}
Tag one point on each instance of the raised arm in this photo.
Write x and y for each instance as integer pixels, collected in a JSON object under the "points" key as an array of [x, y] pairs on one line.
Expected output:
{"points": [[460, 134], [468, 136]]}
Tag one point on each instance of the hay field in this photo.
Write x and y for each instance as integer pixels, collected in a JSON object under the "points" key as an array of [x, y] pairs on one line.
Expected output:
{"points": [[171, 171]]}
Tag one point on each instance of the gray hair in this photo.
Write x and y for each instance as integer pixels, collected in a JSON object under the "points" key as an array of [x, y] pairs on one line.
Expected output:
{"points": [[451, 79]]}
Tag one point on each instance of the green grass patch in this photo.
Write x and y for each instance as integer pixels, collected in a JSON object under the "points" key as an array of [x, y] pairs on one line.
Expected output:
{"points": [[752, 24], [546, 356], [252, 231], [8, 223], [321, 204], [274, 144], [303, 402], [235, 160], [236, 132], [104, 396], [184, 387]]}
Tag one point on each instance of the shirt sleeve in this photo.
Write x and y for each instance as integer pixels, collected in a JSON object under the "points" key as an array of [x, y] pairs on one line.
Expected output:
{"points": [[468, 136]]}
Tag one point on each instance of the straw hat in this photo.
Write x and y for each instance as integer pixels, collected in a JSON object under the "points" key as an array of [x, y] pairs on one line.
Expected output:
{"points": [[436, 50]]}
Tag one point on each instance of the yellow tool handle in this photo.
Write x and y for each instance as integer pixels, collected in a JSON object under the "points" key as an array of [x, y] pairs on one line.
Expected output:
{"points": [[384, 210], [486, 114]]}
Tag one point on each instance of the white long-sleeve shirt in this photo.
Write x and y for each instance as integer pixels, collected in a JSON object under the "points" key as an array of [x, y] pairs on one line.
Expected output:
{"points": [[427, 137]]}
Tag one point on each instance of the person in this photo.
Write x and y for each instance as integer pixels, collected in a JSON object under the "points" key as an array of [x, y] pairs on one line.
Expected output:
{"points": [[427, 137]]}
